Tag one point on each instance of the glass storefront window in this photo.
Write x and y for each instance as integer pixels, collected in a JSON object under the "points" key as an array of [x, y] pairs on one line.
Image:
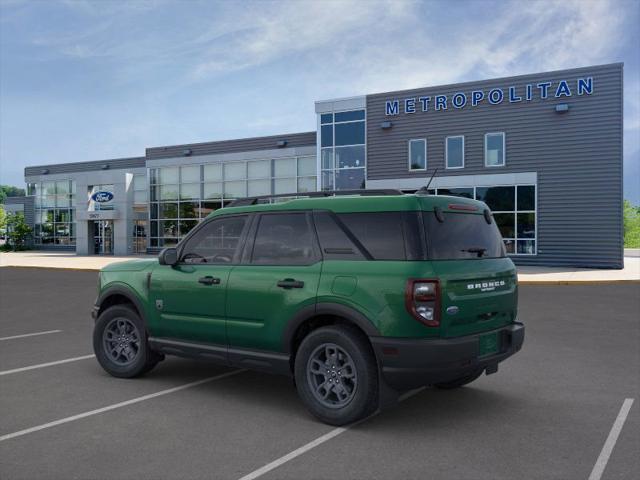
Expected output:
{"points": [[182, 196], [235, 189], [54, 212], [350, 179], [256, 188], [343, 150], [284, 167], [190, 174], [213, 190], [235, 171], [169, 192], [306, 166], [284, 185], [213, 172], [189, 191], [350, 157], [306, 184], [168, 175], [259, 169], [514, 211]]}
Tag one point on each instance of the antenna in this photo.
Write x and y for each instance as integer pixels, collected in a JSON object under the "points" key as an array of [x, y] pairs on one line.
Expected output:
{"points": [[431, 179]]}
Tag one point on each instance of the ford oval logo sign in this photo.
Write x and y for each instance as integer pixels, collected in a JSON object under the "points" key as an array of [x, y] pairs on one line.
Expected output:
{"points": [[102, 197]]}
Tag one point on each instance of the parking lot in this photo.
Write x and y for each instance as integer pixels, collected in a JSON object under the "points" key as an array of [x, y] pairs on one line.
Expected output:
{"points": [[545, 415]]}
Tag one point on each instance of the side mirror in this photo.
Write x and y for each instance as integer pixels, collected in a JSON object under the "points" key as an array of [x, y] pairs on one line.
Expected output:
{"points": [[168, 256]]}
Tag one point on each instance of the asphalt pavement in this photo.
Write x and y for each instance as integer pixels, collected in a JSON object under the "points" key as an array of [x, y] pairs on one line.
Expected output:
{"points": [[545, 415]]}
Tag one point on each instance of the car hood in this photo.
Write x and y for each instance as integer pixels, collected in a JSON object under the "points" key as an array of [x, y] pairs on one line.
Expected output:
{"points": [[136, 265]]}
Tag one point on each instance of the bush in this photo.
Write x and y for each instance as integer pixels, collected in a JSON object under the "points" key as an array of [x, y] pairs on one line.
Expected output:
{"points": [[17, 231], [631, 225]]}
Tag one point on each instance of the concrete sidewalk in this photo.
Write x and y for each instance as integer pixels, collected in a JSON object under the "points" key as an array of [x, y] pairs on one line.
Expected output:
{"points": [[526, 275]]}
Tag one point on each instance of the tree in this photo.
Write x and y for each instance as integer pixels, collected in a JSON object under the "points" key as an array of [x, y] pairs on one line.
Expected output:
{"points": [[9, 191], [17, 231], [631, 225], [3, 219]]}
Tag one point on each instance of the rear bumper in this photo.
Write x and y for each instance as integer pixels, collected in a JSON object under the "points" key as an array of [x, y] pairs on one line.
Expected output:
{"points": [[411, 363]]}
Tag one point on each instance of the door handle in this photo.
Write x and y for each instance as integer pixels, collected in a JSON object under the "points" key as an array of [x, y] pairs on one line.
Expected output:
{"points": [[209, 280], [290, 283]]}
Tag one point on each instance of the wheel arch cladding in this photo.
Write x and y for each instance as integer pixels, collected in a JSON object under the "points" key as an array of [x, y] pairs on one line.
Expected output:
{"points": [[118, 295], [322, 314]]}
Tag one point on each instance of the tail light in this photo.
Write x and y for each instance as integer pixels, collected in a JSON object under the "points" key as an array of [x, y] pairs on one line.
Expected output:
{"points": [[422, 299]]}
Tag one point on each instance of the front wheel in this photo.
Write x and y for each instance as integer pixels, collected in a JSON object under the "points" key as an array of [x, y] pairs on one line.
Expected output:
{"points": [[336, 375], [120, 343]]}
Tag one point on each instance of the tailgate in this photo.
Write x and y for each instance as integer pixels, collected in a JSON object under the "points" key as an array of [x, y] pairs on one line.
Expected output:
{"points": [[477, 295]]}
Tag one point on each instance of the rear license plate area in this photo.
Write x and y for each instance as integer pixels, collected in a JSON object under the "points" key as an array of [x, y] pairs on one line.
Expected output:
{"points": [[489, 344]]}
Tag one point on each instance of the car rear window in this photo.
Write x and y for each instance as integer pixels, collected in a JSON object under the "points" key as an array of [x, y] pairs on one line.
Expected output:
{"points": [[462, 236]]}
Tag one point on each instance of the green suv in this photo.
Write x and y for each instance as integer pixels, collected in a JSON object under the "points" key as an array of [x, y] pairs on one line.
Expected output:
{"points": [[357, 297]]}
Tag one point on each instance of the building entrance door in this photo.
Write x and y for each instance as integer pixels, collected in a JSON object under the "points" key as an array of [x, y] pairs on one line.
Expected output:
{"points": [[103, 237]]}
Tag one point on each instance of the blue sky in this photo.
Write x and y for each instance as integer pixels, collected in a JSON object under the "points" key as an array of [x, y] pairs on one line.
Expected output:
{"points": [[87, 80]]}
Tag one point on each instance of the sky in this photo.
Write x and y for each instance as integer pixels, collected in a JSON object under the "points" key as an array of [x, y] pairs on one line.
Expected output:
{"points": [[89, 80]]}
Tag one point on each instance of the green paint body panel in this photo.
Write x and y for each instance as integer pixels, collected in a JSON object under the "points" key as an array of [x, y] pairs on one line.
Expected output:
{"points": [[247, 309]]}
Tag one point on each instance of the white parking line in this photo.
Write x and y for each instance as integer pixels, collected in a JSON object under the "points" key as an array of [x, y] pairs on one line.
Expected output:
{"points": [[314, 443], [601, 463], [116, 405], [43, 365], [29, 335]]}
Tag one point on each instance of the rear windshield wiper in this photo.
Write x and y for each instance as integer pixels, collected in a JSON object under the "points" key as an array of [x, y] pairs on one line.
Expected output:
{"points": [[479, 250]]}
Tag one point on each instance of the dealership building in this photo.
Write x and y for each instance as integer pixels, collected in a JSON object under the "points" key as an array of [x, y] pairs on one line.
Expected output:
{"points": [[544, 151]]}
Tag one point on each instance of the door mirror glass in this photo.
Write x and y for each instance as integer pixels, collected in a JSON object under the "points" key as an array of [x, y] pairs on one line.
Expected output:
{"points": [[168, 256]]}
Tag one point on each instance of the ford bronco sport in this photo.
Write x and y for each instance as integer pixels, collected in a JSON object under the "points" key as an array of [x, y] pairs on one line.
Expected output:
{"points": [[357, 297]]}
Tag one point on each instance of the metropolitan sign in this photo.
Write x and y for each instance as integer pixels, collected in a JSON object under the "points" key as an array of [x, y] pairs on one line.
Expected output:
{"points": [[494, 96]]}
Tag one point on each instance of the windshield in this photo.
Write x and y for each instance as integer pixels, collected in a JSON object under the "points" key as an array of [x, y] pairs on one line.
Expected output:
{"points": [[462, 236]]}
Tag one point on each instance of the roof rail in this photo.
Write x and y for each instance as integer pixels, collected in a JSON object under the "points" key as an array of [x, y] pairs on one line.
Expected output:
{"points": [[241, 202]]}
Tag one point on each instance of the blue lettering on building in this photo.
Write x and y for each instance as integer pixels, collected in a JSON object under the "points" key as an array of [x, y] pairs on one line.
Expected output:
{"points": [[585, 85], [459, 100], [392, 107], [563, 89], [410, 105], [425, 103], [476, 97], [512, 95], [544, 89], [495, 96], [441, 102]]}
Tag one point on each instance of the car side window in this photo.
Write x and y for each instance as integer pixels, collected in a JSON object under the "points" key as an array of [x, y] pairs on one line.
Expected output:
{"points": [[217, 242], [381, 233], [284, 239]]}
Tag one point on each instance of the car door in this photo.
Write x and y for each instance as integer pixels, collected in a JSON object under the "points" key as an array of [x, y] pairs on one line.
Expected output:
{"points": [[190, 297], [278, 276]]}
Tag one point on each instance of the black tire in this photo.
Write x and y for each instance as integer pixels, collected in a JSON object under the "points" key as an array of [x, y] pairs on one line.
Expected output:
{"points": [[358, 386], [458, 382], [136, 357]]}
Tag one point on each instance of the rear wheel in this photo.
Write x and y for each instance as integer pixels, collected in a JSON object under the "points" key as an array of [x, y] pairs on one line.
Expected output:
{"points": [[120, 343], [336, 375], [459, 382]]}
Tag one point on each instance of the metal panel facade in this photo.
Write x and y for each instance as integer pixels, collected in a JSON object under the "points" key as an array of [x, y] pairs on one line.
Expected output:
{"points": [[97, 165], [231, 146], [577, 155]]}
